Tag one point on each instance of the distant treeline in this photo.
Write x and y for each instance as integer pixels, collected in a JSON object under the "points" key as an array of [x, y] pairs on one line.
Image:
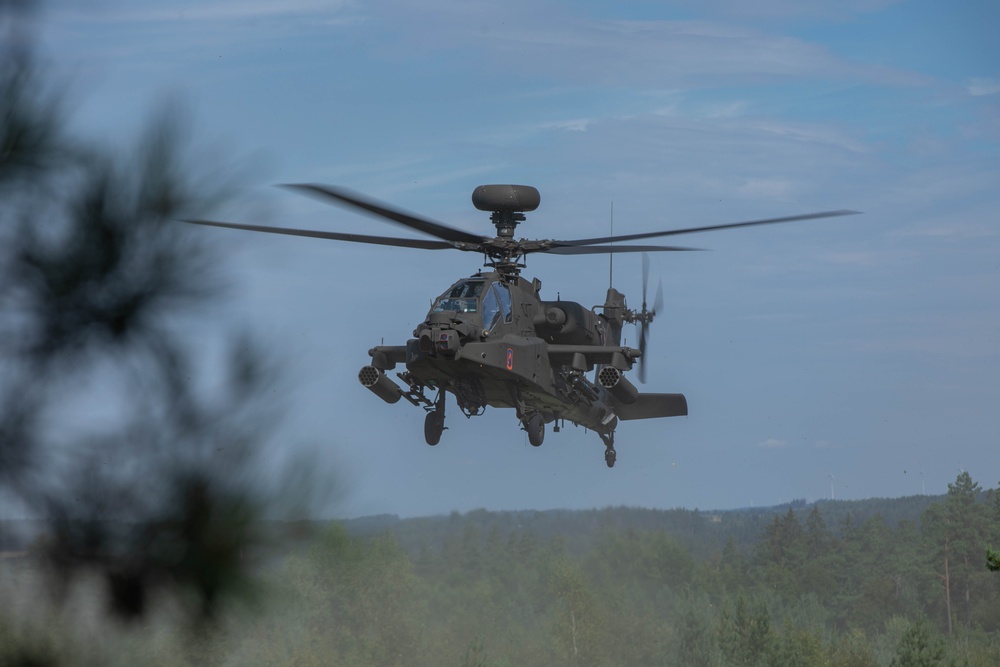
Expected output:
{"points": [[875, 582], [702, 532], [863, 583]]}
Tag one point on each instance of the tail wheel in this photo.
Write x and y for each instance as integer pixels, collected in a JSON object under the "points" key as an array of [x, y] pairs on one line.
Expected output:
{"points": [[610, 456], [535, 426]]}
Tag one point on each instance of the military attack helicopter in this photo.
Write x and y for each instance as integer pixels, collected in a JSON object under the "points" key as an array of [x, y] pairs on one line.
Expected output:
{"points": [[491, 340]]}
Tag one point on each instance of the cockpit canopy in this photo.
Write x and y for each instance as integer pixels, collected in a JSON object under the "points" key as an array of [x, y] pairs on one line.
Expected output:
{"points": [[463, 297], [491, 300]]}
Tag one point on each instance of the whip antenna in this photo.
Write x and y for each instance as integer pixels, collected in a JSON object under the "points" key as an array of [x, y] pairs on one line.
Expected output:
{"points": [[611, 254]]}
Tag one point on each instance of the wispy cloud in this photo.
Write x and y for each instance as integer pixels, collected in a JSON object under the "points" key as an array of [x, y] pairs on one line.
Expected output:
{"points": [[767, 188], [661, 52], [871, 258], [790, 10], [959, 229], [573, 125], [807, 132], [206, 10], [772, 443], [982, 87], [653, 53]]}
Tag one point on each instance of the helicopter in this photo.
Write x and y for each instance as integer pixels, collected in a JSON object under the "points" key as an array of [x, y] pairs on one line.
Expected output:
{"points": [[490, 339]]}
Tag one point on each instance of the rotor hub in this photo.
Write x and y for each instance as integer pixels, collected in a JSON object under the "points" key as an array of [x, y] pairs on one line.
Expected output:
{"points": [[506, 223]]}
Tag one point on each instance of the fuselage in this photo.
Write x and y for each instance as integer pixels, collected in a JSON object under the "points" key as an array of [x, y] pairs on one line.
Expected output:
{"points": [[487, 339]]}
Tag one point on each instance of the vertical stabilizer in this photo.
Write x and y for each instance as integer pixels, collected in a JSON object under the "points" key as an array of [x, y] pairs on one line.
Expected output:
{"points": [[614, 312]]}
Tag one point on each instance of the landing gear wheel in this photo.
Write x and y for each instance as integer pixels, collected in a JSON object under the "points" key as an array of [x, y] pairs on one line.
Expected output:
{"points": [[433, 427], [535, 426], [610, 455]]}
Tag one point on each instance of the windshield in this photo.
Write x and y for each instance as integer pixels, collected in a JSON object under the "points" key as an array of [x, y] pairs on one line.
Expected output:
{"points": [[496, 305], [463, 297]]}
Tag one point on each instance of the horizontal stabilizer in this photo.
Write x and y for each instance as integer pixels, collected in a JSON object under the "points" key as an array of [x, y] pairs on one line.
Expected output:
{"points": [[652, 406]]}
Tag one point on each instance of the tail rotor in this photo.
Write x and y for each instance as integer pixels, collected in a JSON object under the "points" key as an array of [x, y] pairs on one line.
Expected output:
{"points": [[644, 317]]}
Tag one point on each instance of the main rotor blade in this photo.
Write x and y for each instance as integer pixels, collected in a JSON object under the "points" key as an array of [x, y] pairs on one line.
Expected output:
{"points": [[709, 228], [341, 196], [598, 249], [356, 238]]}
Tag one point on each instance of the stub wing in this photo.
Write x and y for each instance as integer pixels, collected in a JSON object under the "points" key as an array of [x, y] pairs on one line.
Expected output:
{"points": [[625, 400], [385, 357], [652, 406], [593, 354]]}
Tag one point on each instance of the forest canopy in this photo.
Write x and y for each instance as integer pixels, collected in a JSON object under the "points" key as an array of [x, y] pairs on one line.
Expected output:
{"points": [[827, 583]]}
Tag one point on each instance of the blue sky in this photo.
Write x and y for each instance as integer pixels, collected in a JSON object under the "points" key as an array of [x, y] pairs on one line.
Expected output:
{"points": [[867, 348]]}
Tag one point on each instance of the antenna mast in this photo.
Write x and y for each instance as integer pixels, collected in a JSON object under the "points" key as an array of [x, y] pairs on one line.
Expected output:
{"points": [[611, 255]]}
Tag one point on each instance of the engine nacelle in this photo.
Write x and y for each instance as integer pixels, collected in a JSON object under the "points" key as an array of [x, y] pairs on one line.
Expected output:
{"points": [[567, 323], [552, 318], [380, 385], [618, 385]]}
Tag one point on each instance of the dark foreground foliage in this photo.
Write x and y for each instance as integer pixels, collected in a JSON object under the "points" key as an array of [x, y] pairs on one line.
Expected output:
{"points": [[140, 468]]}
